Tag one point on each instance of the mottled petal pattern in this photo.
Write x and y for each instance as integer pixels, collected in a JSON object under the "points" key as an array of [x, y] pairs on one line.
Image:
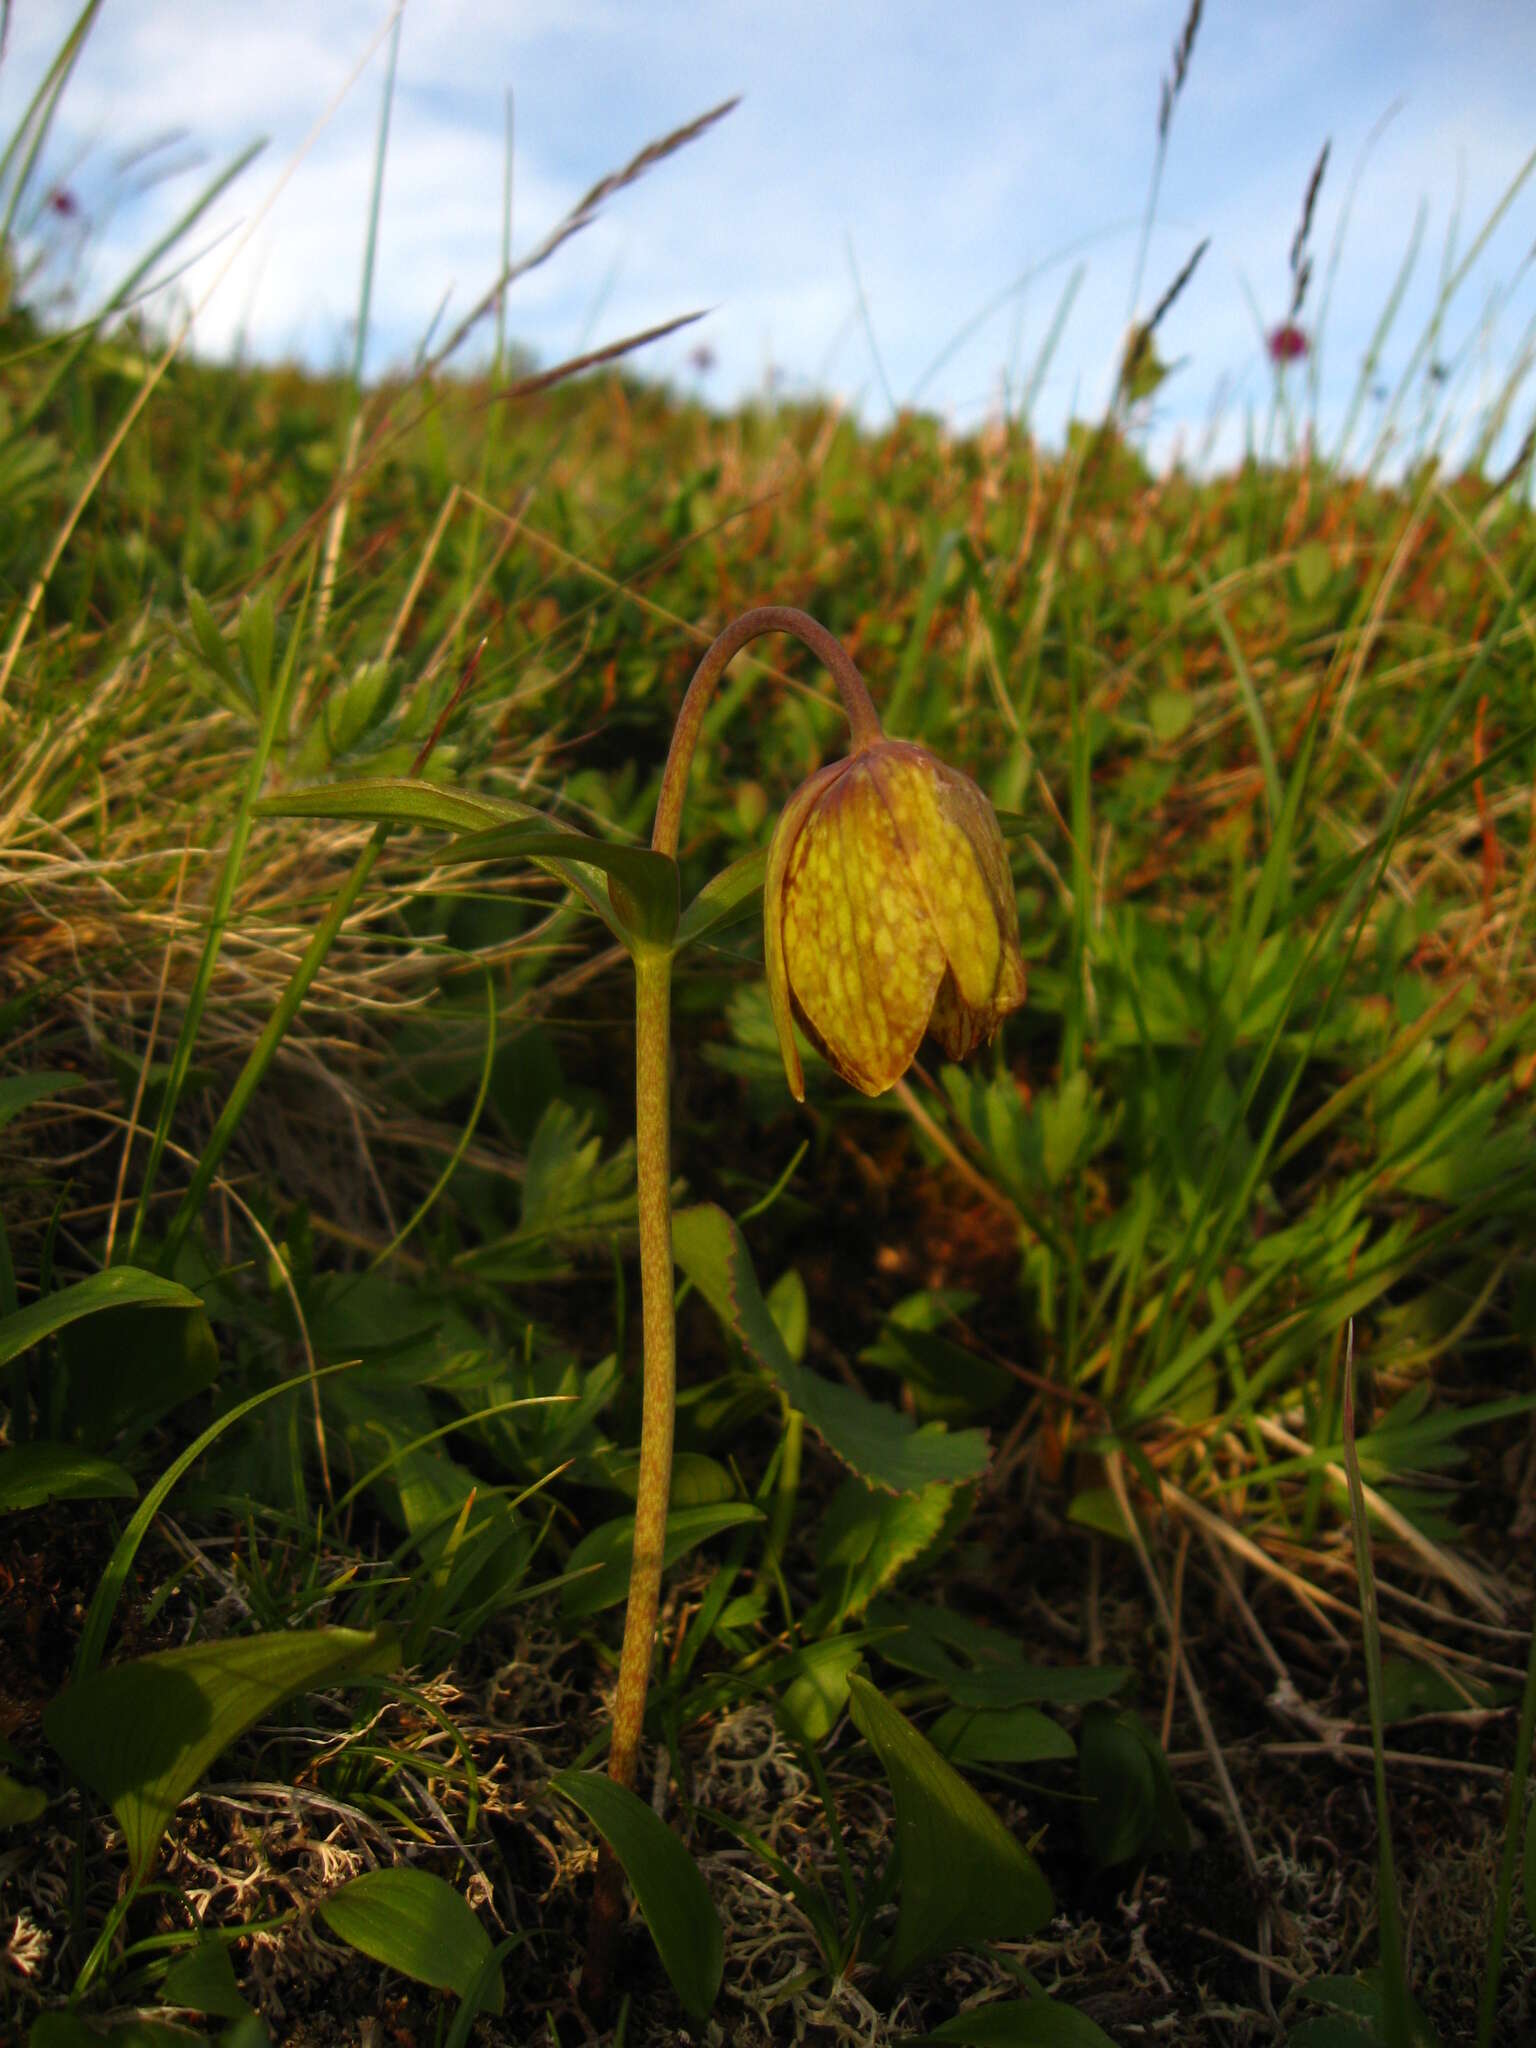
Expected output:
{"points": [[861, 956], [889, 910]]}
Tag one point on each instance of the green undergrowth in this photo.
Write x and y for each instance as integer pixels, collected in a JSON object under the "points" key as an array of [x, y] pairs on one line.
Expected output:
{"points": [[1012, 1439]]}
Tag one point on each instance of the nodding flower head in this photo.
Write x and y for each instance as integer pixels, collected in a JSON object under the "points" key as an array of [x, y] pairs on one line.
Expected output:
{"points": [[888, 911]]}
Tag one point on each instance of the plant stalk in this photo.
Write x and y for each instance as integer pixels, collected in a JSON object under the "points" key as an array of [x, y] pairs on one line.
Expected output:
{"points": [[653, 1169]]}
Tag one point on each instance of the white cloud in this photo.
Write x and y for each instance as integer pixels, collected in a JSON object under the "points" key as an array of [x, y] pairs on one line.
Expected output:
{"points": [[953, 149]]}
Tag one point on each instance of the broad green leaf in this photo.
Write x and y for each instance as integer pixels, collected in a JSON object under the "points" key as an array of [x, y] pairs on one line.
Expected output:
{"points": [[964, 1879], [118, 1287], [1133, 1809], [20, 1804], [33, 1473], [817, 1694], [723, 899], [1001, 1735], [643, 886], [882, 1446], [126, 1367], [413, 1922], [20, 1091], [203, 1980], [1017, 2023], [142, 1734], [610, 1548], [671, 1893]]}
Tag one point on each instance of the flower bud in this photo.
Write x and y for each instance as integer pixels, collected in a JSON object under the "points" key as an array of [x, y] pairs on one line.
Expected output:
{"points": [[888, 911]]}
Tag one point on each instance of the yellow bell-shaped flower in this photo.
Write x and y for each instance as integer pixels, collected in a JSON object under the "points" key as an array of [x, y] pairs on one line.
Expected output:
{"points": [[888, 911]]}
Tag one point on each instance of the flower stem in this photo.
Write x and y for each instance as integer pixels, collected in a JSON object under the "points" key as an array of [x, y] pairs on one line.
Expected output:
{"points": [[653, 998], [653, 1170], [863, 719]]}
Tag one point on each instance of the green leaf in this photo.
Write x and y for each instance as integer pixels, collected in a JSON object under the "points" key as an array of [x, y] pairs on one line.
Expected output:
{"points": [[126, 1367], [1001, 1735], [1134, 1809], [1313, 570], [142, 1734], [610, 1549], [65, 2030], [671, 1893], [866, 1538], [119, 1287], [255, 632], [211, 645], [1017, 2023], [723, 899], [33, 1473], [883, 1447], [20, 1804], [413, 1922], [1170, 712], [643, 885], [964, 1879], [203, 1980], [20, 1091], [398, 800], [818, 1692]]}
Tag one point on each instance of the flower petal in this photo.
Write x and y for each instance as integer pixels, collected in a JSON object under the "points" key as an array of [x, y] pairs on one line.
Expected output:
{"points": [[860, 951], [780, 849], [935, 821]]}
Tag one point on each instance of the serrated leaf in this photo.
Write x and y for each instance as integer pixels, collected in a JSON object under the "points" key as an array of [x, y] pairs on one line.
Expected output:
{"points": [[1017, 2023], [142, 1734], [413, 1922], [724, 899], [670, 1892], [118, 1287], [610, 1549], [866, 1538], [883, 1447], [33, 1473], [20, 1804], [203, 1980], [964, 1879]]}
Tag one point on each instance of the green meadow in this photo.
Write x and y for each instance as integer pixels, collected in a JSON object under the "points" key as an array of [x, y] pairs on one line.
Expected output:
{"points": [[1098, 1594]]}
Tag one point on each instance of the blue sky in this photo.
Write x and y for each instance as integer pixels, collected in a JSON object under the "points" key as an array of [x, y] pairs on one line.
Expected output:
{"points": [[940, 153]]}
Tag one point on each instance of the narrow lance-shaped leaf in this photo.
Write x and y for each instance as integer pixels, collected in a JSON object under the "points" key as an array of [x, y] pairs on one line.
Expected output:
{"points": [[671, 1893], [123, 1286]]}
